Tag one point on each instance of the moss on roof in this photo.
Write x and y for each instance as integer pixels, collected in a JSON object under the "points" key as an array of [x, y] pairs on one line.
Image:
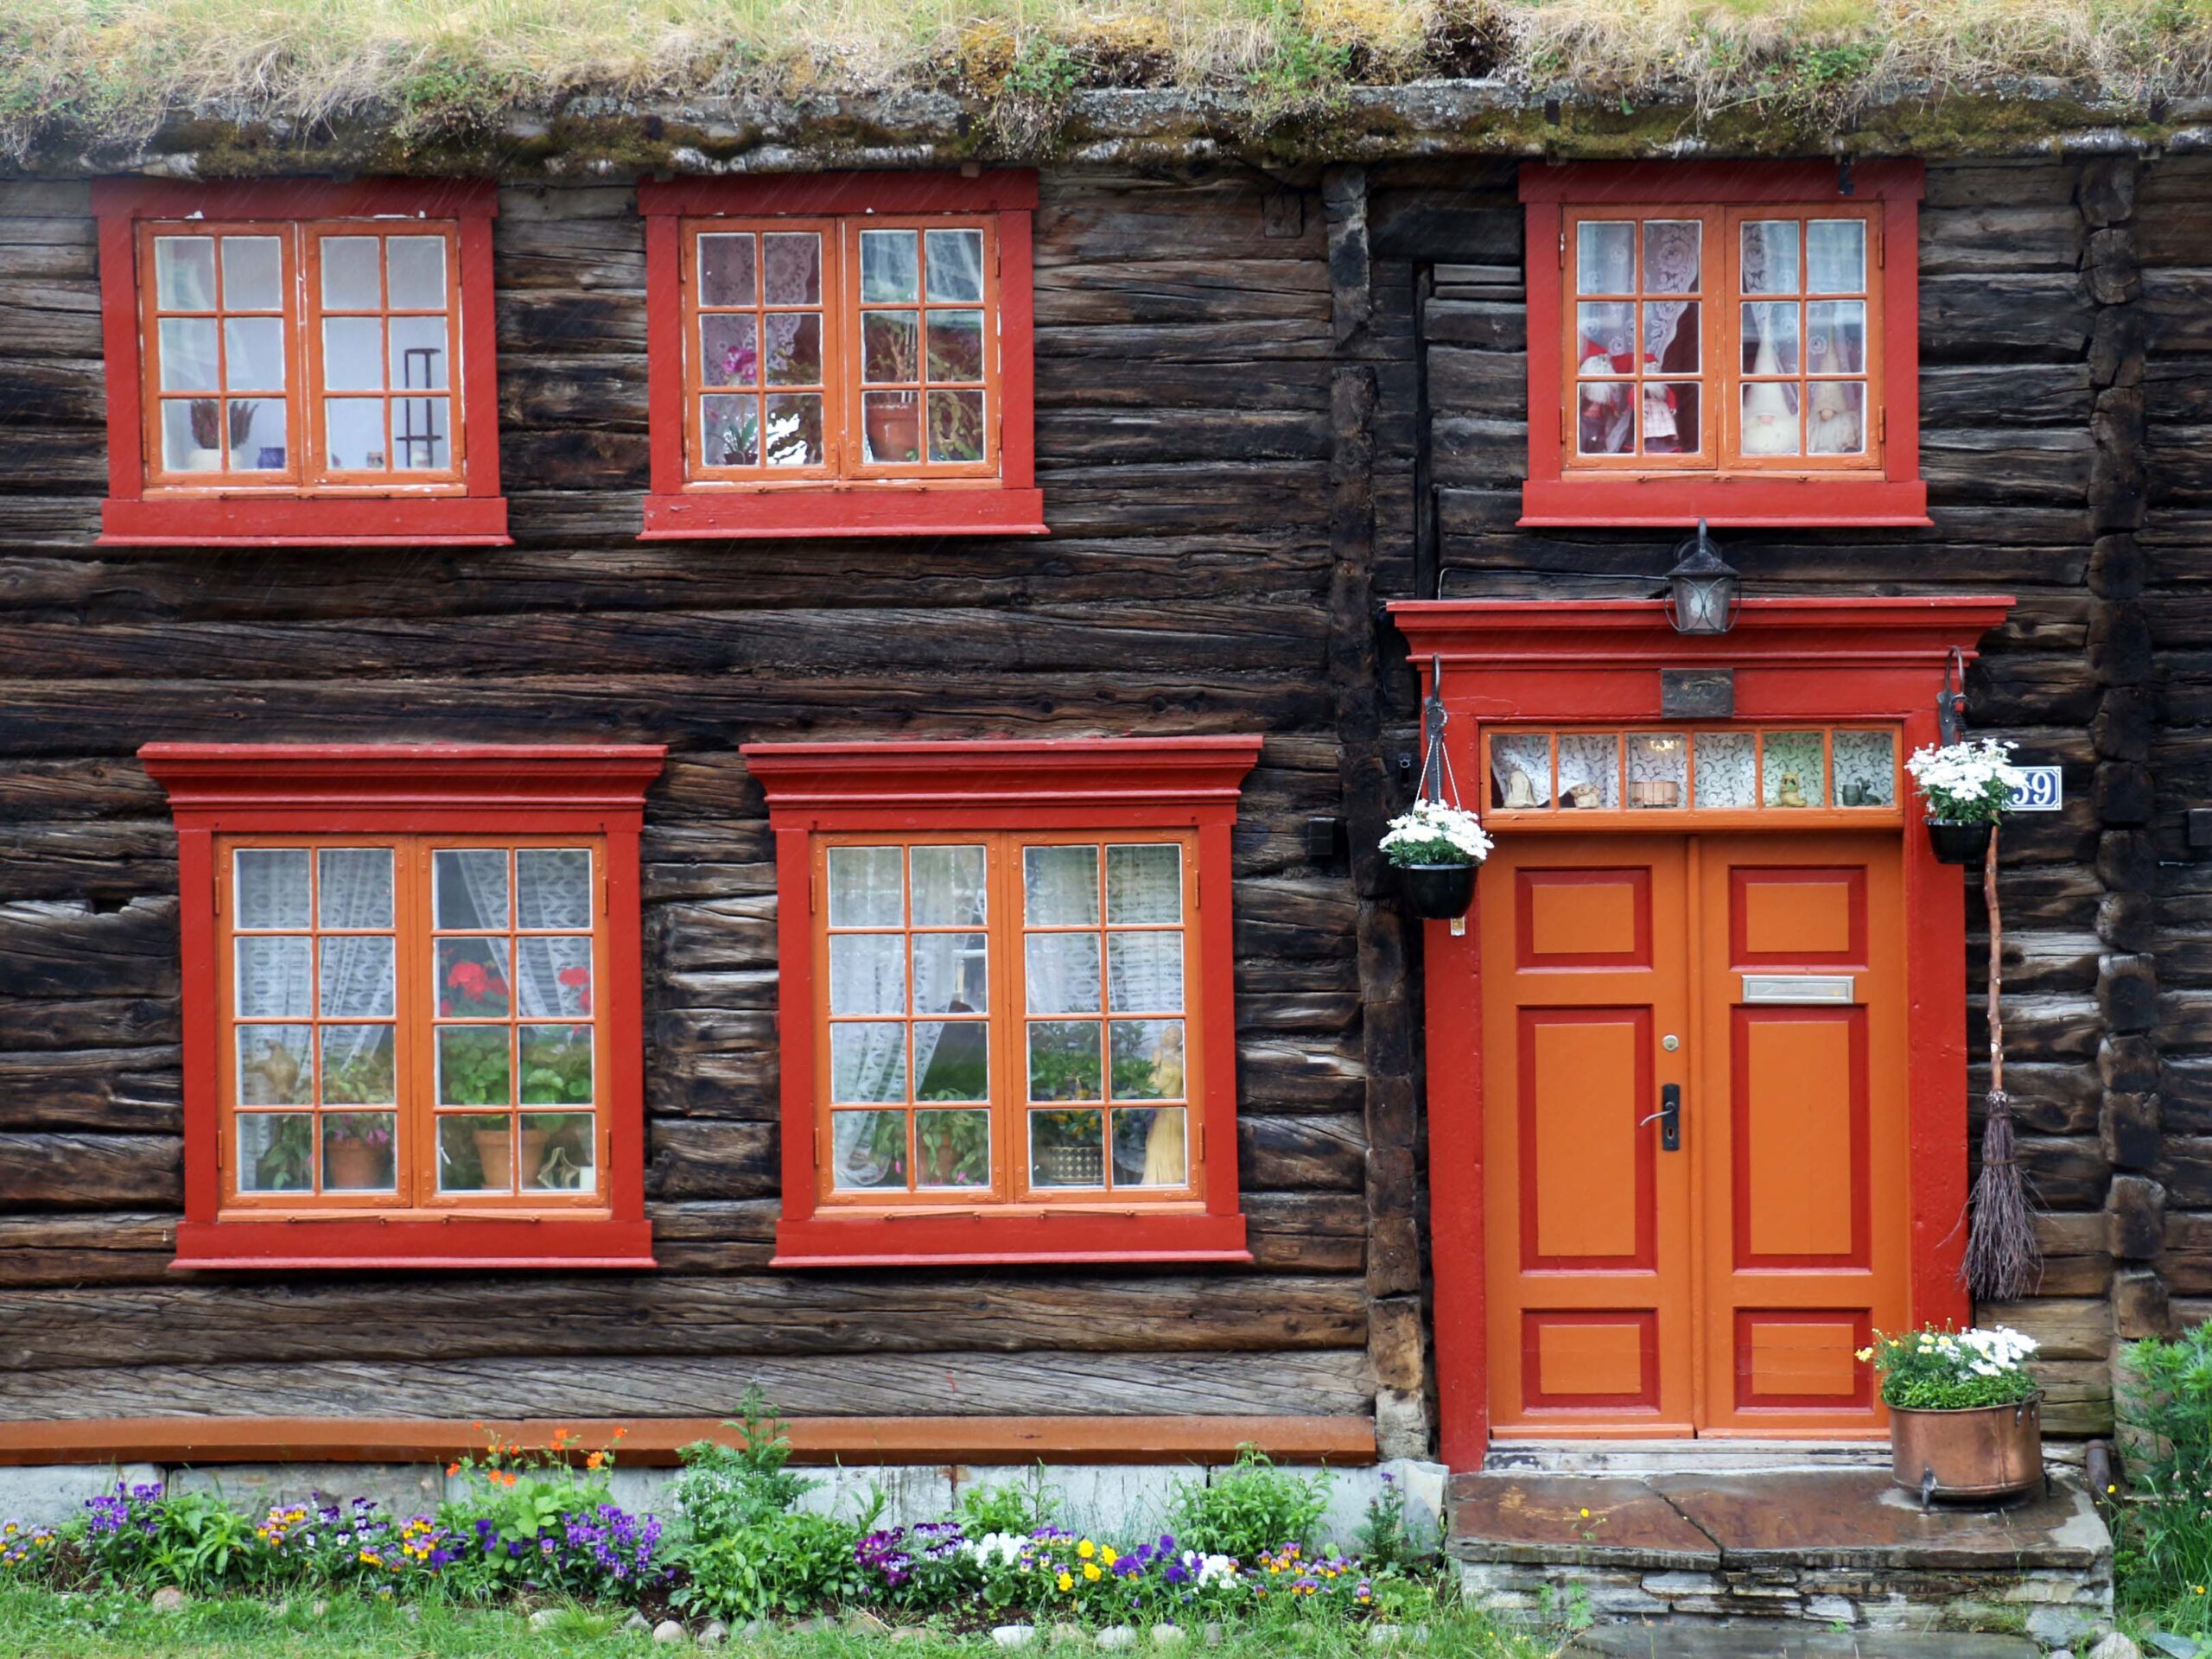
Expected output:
{"points": [[388, 80]]}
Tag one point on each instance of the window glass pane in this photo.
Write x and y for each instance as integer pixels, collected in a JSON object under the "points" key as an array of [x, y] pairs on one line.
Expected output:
{"points": [[556, 1067], [255, 428], [476, 1154], [1144, 973], [1770, 257], [276, 1065], [473, 979], [1060, 886], [192, 431], [1067, 1149], [276, 1152], [357, 976], [1144, 883], [353, 353], [1605, 260], [253, 275], [421, 434], [560, 1151], [353, 429], [792, 267], [184, 273], [952, 1058], [554, 886], [360, 1152], [418, 354], [956, 345], [253, 352], [474, 1066], [1769, 418], [1769, 339], [869, 1150], [949, 971], [416, 267], [868, 973], [891, 423], [357, 1066], [1148, 1059], [188, 355], [1836, 418], [890, 346], [355, 886], [1791, 768], [1064, 1060], [1835, 256], [1587, 770], [952, 1149], [956, 262], [726, 271], [947, 887], [1866, 769], [1520, 771], [1673, 337], [1061, 973], [470, 886], [1658, 770], [1727, 770], [554, 976], [868, 886], [349, 274], [1149, 1147], [794, 423], [956, 425], [272, 886], [730, 431], [1671, 418], [1606, 424], [794, 348], [887, 267], [729, 350], [1606, 329], [1672, 249], [273, 978], [868, 1062], [1835, 340]]}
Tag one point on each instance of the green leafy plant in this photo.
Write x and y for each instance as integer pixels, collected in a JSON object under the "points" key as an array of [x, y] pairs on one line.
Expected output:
{"points": [[1015, 1508], [1385, 1539], [1942, 1369], [513, 1501], [1249, 1510], [195, 1541], [786, 1562], [473, 1066], [2162, 1533], [725, 1489]]}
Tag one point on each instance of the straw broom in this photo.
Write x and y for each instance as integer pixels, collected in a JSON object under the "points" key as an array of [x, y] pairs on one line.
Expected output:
{"points": [[2003, 1261]]}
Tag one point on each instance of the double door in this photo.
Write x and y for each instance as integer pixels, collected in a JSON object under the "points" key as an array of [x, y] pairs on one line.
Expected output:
{"points": [[1695, 1131]]}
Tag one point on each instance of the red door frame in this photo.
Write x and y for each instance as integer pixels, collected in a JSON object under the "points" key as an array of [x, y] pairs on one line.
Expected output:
{"points": [[1808, 659]]}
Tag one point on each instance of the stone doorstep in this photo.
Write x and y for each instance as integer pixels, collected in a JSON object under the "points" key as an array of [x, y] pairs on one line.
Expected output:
{"points": [[1730, 1641]]}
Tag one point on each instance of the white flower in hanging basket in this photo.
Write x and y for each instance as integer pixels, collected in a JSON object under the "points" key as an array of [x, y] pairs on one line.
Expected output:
{"points": [[1966, 782], [1430, 833]]}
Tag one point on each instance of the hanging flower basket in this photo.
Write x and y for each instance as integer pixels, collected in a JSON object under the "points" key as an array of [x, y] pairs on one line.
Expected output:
{"points": [[1438, 893], [1964, 785], [1436, 844], [1960, 843]]}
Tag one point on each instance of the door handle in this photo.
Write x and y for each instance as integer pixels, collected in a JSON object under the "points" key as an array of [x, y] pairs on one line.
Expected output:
{"points": [[1669, 1117]]}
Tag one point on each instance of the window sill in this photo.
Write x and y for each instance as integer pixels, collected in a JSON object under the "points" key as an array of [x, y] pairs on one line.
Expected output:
{"points": [[974, 1239], [305, 521], [1844, 502], [849, 510], [481, 1245]]}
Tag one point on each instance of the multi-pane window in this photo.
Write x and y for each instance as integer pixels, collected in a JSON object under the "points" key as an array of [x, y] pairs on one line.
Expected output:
{"points": [[301, 356], [410, 1022], [1005, 1017]]}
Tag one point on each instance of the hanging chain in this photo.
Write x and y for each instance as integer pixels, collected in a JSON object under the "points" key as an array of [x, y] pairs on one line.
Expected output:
{"points": [[1437, 783]]}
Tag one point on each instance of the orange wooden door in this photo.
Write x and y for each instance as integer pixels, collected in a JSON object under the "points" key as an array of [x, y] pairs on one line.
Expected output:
{"points": [[1800, 1116], [1586, 1220]]}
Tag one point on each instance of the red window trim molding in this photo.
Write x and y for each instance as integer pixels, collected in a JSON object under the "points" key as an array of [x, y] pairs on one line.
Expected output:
{"points": [[678, 509], [1894, 496], [409, 789], [262, 515], [909, 788]]}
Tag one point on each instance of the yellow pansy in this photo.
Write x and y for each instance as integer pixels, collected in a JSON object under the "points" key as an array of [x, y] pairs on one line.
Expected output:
{"points": [[1066, 1583], [1106, 1556], [1091, 1571], [1086, 1549]]}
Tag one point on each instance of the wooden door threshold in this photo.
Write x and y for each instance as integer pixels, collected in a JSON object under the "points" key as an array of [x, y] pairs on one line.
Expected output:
{"points": [[1635, 1458]]}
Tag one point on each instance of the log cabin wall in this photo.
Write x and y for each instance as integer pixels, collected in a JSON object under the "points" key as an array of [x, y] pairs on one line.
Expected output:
{"points": [[1186, 402]]}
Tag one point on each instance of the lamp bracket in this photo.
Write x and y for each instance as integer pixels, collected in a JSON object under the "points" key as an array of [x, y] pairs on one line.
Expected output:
{"points": [[1951, 700]]}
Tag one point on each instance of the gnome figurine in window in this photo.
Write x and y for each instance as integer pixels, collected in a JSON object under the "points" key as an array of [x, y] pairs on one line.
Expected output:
{"points": [[1769, 423], [1165, 1161]]}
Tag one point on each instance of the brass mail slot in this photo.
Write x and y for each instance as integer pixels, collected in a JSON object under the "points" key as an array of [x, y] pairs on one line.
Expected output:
{"points": [[1800, 988]]}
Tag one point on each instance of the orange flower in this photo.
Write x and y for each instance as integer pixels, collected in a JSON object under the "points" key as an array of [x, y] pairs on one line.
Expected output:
{"points": [[595, 1460], [478, 1423], [453, 1468], [619, 1433]]}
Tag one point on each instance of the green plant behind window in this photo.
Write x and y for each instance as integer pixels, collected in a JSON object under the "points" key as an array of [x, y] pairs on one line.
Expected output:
{"points": [[1249, 1508]]}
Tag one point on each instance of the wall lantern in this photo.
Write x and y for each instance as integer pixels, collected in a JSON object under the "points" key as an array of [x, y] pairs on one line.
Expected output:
{"points": [[1701, 590]]}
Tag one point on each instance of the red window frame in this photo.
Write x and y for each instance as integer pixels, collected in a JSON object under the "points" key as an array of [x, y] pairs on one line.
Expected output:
{"points": [[936, 792], [223, 794], [306, 507], [689, 501], [1761, 493]]}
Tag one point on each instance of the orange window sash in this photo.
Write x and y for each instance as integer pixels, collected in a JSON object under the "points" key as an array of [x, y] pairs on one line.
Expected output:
{"points": [[391, 399], [1006, 1035], [938, 387], [415, 1020]]}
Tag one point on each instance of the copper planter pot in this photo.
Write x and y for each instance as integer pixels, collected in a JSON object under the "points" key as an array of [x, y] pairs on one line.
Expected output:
{"points": [[1983, 1452]]}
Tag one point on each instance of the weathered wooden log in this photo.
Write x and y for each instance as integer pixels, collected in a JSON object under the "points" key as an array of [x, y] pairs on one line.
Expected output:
{"points": [[90, 1172]]}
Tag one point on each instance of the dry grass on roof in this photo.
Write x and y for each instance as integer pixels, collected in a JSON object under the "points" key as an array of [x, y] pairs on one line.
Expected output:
{"points": [[121, 66]]}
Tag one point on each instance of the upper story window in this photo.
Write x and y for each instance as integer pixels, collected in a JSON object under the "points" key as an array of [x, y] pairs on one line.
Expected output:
{"points": [[1733, 344], [1006, 999], [299, 363], [412, 1022], [843, 354]]}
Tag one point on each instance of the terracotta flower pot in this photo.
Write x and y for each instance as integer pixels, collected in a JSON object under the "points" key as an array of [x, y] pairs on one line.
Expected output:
{"points": [[496, 1153], [1438, 892], [1960, 843], [533, 1155], [1982, 1453], [348, 1166], [895, 431]]}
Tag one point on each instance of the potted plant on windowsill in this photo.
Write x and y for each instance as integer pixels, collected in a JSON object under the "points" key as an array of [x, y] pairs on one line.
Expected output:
{"points": [[1966, 1417], [1964, 785], [1437, 848]]}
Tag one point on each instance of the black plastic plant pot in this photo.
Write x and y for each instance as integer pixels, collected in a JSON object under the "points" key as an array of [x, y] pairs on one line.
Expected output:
{"points": [[1960, 843], [1439, 892]]}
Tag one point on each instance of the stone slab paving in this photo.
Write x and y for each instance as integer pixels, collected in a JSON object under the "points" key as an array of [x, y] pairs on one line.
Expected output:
{"points": [[1678, 1642], [1572, 1519]]}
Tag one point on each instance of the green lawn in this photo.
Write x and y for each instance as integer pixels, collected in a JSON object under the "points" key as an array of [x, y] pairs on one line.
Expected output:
{"points": [[49, 1626]]}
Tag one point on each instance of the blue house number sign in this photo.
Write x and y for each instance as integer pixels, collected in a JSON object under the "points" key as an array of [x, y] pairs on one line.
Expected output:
{"points": [[2039, 791]]}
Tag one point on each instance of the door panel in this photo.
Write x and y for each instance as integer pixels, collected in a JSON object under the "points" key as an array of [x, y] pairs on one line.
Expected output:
{"points": [[1586, 1220]]}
